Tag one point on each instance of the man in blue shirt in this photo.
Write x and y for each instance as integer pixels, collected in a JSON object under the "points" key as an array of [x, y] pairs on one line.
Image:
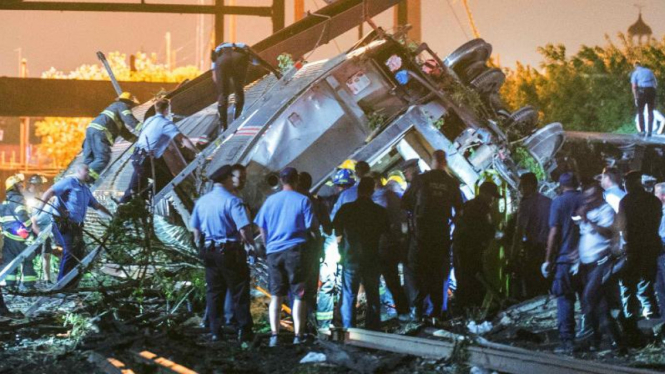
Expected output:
{"points": [[229, 68], [350, 194], [563, 257], [220, 222], [285, 220], [644, 84], [157, 133], [73, 197]]}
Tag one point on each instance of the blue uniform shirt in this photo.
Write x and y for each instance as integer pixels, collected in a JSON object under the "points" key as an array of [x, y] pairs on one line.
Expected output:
{"points": [[563, 208], [219, 215], [643, 77], [285, 216], [74, 197], [228, 45], [156, 134], [347, 196]]}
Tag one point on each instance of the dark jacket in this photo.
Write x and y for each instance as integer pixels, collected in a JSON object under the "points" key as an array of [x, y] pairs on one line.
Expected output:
{"points": [[361, 224], [14, 216], [113, 120]]}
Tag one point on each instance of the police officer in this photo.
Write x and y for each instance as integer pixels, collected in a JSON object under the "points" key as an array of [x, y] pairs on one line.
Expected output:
{"points": [[643, 83], [73, 197], [103, 131], [229, 69], [431, 200], [16, 228], [221, 223], [157, 133]]}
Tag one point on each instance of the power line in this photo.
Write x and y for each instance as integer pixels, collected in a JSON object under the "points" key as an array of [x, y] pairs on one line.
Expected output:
{"points": [[459, 23]]}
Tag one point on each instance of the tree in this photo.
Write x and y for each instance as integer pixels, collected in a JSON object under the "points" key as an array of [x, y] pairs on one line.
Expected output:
{"points": [[62, 137], [589, 91]]}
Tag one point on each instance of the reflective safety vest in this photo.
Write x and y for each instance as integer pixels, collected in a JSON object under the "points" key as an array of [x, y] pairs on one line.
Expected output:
{"points": [[112, 120], [14, 218]]}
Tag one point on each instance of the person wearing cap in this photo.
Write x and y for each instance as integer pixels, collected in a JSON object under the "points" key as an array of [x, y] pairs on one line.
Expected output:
{"points": [[432, 199], [156, 134], [474, 232], [33, 192], [562, 258], [350, 194], [105, 129], [360, 226], [285, 221], [597, 232], [72, 199], [639, 220], [610, 181], [644, 83], [329, 272], [220, 221], [230, 62], [17, 229], [530, 237]]}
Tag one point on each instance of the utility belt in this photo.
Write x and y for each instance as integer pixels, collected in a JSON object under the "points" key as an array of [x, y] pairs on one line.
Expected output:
{"points": [[140, 155], [214, 55], [219, 246], [643, 90]]}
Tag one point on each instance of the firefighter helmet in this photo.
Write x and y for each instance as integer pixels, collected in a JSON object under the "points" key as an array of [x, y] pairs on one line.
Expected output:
{"points": [[348, 164], [37, 179], [344, 177], [13, 181]]}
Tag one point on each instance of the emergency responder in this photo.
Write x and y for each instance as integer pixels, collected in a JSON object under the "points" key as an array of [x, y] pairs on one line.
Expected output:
{"points": [[360, 226], [156, 134], [285, 221], [530, 237], [17, 228], [562, 258], [350, 194], [230, 62], [474, 232], [639, 219], [33, 192], [390, 247], [221, 224], [328, 273], [72, 199], [643, 83], [103, 131], [431, 200], [316, 251]]}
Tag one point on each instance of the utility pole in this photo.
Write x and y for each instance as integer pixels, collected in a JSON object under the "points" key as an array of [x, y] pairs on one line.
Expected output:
{"points": [[24, 132], [168, 50], [408, 12], [298, 10]]}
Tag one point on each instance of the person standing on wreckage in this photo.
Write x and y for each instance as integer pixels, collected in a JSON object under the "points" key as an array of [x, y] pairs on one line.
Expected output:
{"points": [[73, 197], [105, 129], [230, 62]]}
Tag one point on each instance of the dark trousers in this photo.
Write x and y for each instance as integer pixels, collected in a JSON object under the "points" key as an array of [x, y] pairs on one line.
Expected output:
{"points": [[470, 292], [564, 288], [637, 293], [534, 284], [660, 284], [352, 276], [646, 98], [230, 73], [389, 259], [70, 238], [428, 266], [595, 298], [226, 269], [96, 151], [11, 249], [3, 306], [142, 171]]}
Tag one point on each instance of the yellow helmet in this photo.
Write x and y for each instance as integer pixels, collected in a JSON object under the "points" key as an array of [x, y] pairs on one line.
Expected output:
{"points": [[13, 181], [348, 164], [125, 96]]}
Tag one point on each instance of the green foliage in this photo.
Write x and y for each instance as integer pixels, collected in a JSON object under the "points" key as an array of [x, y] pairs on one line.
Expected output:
{"points": [[285, 62], [375, 120], [526, 161], [80, 325], [588, 91]]}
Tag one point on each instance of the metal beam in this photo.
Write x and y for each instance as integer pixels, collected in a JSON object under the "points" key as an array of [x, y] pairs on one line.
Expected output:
{"points": [[138, 8]]}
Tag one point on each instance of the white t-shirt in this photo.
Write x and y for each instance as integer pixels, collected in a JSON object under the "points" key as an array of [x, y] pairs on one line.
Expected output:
{"points": [[594, 246]]}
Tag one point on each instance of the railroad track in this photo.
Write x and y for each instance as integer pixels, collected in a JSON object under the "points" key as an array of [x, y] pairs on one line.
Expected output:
{"points": [[485, 354]]}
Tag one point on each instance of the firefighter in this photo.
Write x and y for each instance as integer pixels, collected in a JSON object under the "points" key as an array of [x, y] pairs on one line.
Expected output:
{"points": [[229, 69], [17, 229], [103, 131], [430, 199], [328, 274], [73, 197]]}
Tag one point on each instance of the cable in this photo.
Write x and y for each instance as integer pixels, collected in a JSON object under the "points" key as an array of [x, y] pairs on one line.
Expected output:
{"points": [[459, 23]]}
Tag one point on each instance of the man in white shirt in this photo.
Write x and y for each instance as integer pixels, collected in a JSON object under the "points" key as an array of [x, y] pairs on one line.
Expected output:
{"points": [[611, 181]]}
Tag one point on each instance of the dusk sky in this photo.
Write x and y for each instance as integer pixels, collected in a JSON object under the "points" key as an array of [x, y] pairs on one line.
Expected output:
{"points": [[515, 28]]}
